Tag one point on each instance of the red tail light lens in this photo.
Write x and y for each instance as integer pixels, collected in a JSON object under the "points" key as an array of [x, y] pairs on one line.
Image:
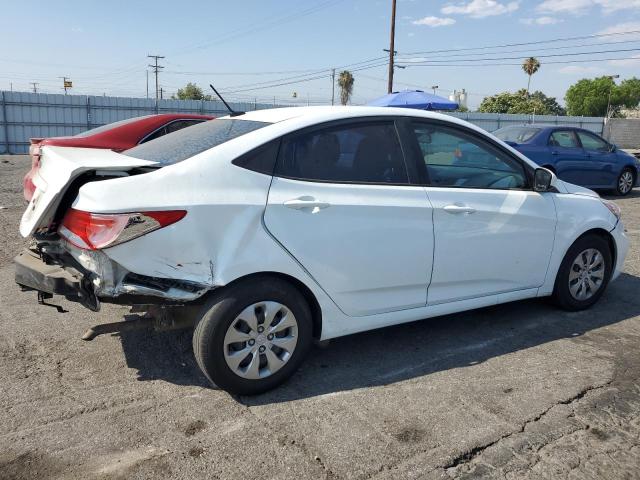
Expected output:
{"points": [[93, 231]]}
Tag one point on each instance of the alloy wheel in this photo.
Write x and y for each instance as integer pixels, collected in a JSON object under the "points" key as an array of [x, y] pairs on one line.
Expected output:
{"points": [[587, 274], [625, 184], [260, 340]]}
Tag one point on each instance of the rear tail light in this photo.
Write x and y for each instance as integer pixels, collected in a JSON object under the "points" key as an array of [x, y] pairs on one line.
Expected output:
{"points": [[92, 231]]}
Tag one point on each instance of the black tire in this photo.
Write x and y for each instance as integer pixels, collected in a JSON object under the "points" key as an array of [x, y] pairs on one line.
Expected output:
{"points": [[223, 308], [561, 293], [620, 191]]}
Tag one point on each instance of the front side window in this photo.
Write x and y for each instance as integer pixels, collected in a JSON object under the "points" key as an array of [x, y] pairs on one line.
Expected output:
{"points": [[354, 153], [591, 142], [454, 158], [564, 139]]}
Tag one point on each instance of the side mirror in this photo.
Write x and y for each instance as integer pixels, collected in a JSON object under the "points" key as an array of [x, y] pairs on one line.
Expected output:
{"points": [[612, 148], [543, 180]]}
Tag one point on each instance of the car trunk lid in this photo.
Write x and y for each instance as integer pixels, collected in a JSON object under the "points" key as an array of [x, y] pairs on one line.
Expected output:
{"points": [[59, 167]]}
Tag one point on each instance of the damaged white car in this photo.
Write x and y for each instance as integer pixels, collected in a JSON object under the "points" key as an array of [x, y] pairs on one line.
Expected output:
{"points": [[273, 228]]}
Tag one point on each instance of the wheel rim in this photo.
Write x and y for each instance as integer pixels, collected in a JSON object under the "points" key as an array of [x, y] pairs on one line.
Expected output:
{"points": [[587, 274], [626, 182], [260, 340]]}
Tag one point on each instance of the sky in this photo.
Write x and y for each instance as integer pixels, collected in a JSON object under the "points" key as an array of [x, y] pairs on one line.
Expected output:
{"points": [[261, 50]]}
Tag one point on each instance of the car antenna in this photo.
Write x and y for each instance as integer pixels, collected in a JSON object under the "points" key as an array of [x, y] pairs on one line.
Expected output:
{"points": [[232, 112]]}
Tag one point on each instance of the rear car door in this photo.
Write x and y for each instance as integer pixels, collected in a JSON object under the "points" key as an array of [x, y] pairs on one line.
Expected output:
{"points": [[601, 161], [493, 234], [345, 205], [569, 159]]}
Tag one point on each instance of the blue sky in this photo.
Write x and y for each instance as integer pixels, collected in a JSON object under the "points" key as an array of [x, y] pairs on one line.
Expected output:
{"points": [[102, 46]]}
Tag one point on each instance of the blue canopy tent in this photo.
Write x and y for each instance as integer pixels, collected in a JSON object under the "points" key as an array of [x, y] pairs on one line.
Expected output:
{"points": [[414, 99]]}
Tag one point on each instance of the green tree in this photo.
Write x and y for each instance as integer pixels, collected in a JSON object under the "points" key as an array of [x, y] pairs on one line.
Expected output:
{"points": [[590, 97], [530, 66], [191, 92], [521, 102], [345, 82]]}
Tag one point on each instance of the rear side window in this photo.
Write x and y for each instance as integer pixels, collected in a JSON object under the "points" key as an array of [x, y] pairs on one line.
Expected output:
{"points": [[516, 134], [178, 146], [261, 159], [563, 138], [352, 153], [110, 126]]}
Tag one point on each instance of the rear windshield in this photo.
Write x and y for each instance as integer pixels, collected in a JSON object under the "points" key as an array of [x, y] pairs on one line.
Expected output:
{"points": [[178, 146], [516, 134], [109, 126]]}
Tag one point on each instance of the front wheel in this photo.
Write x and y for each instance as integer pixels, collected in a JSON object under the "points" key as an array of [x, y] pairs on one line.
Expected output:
{"points": [[625, 182], [583, 274], [253, 336]]}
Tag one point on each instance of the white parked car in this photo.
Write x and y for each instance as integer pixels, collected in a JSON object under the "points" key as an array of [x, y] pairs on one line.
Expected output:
{"points": [[277, 227]]}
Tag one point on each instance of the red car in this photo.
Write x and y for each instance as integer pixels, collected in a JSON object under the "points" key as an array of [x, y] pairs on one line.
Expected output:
{"points": [[117, 136]]}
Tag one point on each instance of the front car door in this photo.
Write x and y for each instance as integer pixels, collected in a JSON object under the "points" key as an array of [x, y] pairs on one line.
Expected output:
{"points": [[493, 234], [601, 161], [344, 205], [569, 158]]}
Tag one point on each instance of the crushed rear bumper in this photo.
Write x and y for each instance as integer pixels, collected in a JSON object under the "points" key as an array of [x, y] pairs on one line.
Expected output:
{"points": [[34, 271]]}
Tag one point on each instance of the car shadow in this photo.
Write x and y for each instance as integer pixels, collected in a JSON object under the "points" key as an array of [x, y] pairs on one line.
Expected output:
{"points": [[393, 354], [635, 193]]}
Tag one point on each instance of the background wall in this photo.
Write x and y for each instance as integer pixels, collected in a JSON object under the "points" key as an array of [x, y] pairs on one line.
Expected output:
{"points": [[24, 115]]}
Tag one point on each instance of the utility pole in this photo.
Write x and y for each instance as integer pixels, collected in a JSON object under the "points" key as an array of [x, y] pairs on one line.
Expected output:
{"points": [[435, 87], [161, 90], [35, 86], [612, 78], [333, 86], [392, 51], [147, 70], [156, 69]]}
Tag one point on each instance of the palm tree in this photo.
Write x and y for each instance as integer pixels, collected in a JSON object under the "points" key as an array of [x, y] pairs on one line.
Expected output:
{"points": [[530, 66], [345, 82]]}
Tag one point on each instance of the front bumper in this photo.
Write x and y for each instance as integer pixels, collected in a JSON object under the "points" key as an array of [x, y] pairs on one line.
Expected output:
{"points": [[622, 248]]}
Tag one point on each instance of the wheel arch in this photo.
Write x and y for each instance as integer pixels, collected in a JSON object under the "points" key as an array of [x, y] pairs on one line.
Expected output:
{"points": [[309, 296], [605, 235]]}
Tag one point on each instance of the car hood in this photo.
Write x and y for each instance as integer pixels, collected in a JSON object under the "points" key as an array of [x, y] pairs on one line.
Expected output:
{"points": [[578, 190]]}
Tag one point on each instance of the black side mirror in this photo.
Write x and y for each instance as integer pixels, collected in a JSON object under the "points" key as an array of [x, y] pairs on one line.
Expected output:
{"points": [[612, 148], [542, 179]]}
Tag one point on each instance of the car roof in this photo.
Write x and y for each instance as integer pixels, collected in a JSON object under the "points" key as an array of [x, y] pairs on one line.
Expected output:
{"points": [[303, 116]]}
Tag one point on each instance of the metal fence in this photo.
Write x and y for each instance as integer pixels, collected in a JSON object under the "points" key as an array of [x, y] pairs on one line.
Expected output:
{"points": [[493, 121], [26, 115]]}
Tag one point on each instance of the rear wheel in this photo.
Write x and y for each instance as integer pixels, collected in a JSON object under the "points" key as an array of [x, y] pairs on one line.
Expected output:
{"points": [[583, 274], [253, 336], [625, 183]]}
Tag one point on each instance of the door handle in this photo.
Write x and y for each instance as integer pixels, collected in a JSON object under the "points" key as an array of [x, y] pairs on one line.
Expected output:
{"points": [[458, 209], [303, 203]]}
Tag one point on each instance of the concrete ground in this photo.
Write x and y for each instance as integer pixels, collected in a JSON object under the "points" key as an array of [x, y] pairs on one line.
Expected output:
{"points": [[517, 391]]}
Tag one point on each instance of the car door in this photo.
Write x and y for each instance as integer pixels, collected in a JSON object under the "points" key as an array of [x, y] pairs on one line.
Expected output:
{"points": [[343, 204], [569, 158], [492, 233], [601, 161]]}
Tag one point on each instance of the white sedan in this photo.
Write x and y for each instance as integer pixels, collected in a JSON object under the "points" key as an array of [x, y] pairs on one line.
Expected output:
{"points": [[273, 228]]}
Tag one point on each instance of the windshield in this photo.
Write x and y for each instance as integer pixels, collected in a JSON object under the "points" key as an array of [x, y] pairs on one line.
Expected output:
{"points": [[178, 146], [516, 134], [109, 126]]}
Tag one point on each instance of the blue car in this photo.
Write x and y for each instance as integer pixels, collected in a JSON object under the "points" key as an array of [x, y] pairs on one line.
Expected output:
{"points": [[575, 155]]}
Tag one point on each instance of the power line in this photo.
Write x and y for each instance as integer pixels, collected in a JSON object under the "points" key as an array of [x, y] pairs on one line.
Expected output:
{"points": [[539, 42], [592, 60], [570, 54]]}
